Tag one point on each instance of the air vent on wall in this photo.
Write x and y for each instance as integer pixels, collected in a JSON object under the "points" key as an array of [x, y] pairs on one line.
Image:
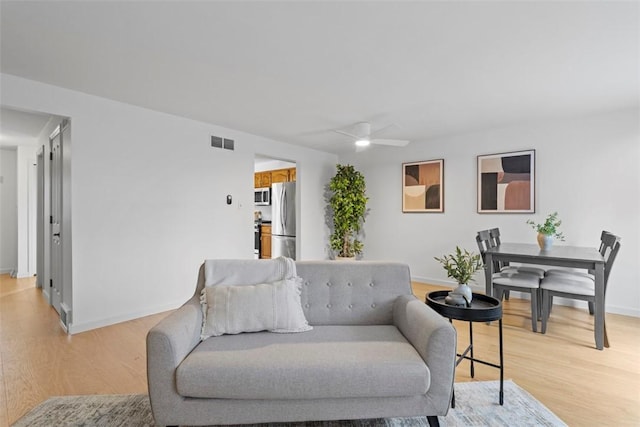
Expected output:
{"points": [[216, 141], [219, 142], [65, 315]]}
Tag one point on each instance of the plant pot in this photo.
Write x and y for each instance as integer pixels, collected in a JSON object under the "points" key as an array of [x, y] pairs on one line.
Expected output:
{"points": [[345, 258], [464, 290], [545, 241]]}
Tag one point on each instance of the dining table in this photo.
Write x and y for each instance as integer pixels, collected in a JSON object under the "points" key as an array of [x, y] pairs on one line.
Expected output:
{"points": [[560, 256]]}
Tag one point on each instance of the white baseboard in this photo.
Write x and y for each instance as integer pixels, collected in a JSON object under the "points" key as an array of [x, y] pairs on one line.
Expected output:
{"points": [[45, 294], [6, 270], [448, 283], [23, 274], [75, 328]]}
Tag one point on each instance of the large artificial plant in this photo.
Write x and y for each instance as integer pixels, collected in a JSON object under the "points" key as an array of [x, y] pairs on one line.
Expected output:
{"points": [[349, 205]]}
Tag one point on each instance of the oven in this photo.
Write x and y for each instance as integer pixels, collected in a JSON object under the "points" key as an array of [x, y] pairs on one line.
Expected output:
{"points": [[256, 246]]}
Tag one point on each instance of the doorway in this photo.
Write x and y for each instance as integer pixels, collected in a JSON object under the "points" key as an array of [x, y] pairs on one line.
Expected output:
{"points": [[59, 236], [276, 222], [32, 135]]}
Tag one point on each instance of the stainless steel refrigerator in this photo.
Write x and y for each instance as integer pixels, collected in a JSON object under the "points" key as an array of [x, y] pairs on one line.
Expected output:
{"points": [[283, 219]]}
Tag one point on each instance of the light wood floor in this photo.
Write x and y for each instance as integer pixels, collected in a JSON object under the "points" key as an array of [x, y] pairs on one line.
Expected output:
{"points": [[562, 369]]}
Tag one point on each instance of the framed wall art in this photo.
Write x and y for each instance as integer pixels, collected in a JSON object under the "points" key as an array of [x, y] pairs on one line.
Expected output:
{"points": [[423, 186], [506, 182]]}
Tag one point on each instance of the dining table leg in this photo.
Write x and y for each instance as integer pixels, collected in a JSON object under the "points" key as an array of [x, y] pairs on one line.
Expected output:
{"points": [[599, 306]]}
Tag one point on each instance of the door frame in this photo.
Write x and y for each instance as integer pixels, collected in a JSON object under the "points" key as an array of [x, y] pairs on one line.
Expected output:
{"points": [[56, 237], [48, 259]]}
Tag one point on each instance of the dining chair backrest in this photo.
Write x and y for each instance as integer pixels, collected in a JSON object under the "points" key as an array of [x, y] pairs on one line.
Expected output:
{"points": [[495, 236], [487, 239], [494, 233], [609, 247], [484, 241]]}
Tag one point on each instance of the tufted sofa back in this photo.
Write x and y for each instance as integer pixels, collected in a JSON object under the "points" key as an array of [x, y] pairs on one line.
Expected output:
{"points": [[352, 292]]}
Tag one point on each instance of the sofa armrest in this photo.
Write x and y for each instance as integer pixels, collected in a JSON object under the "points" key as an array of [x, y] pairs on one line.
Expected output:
{"points": [[435, 339], [168, 343]]}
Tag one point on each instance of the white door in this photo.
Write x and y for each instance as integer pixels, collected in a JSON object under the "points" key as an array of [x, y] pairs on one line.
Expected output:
{"points": [[55, 284]]}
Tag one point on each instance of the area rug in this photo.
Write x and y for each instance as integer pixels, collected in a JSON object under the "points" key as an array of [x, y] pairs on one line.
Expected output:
{"points": [[476, 405]]}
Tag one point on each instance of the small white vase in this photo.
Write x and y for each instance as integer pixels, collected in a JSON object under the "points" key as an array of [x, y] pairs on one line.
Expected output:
{"points": [[545, 241], [465, 290]]}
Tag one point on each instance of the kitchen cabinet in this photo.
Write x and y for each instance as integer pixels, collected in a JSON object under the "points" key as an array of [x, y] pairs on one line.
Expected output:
{"points": [[266, 178], [262, 179], [265, 241], [280, 175]]}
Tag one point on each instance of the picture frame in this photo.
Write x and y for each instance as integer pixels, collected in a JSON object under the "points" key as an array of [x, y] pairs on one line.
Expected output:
{"points": [[423, 186], [506, 182]]}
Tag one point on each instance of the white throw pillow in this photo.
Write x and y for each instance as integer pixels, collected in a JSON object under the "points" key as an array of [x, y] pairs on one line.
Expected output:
{"points": [[274, 307]]}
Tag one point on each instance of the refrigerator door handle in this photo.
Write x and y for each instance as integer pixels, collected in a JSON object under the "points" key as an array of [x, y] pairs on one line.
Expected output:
{"points": [[283, 208]]}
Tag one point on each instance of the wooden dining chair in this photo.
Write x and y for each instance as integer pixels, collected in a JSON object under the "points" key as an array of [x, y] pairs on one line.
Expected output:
{"points": [[494, 240], [506, 278], [578, 285], [582, 275]]}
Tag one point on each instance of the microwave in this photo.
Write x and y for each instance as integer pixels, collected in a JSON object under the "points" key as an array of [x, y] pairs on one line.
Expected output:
{"points": [[262, 196]]}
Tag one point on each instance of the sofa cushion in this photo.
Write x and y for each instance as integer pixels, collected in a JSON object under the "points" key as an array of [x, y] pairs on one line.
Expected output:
{"points": [[271, 307], [247, 271], [327, 362], [352, 293]]}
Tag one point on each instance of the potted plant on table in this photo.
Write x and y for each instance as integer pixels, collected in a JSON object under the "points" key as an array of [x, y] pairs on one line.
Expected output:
{"points": [[547, 231], [348, 205], [461, 266]]}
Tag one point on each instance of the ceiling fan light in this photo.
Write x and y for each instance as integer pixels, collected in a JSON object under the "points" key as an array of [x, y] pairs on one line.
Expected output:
{"points": [[363, 142]]}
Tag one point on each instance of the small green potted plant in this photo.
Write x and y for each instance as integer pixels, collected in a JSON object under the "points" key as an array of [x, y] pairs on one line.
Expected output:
{"points": [[547, 231], [348, 203], [461, 266]]}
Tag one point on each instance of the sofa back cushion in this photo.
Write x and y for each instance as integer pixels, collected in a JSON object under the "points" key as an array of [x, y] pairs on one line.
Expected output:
{"points": [[247, 271], [352, 292]]}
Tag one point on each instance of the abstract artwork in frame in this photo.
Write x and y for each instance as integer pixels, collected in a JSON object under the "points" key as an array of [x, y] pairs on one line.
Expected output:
{"points": [[423, 186], [506, 182]]}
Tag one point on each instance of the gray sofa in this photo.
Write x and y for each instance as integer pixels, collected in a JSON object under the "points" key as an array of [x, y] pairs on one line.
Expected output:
{"points": [[375, 351]]}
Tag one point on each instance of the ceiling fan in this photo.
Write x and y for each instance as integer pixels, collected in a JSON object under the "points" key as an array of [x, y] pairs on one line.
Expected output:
{"points": [[362, 136]]}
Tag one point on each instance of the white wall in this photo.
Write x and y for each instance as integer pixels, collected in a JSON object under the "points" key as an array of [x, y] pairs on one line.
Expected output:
{"points": [[26, 158], [272, 164], [587, 170], [148, 200], [8, 211]]}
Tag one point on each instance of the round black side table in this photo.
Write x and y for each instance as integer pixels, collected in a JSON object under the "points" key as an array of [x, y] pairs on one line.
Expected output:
{"points": [[483, 308]]}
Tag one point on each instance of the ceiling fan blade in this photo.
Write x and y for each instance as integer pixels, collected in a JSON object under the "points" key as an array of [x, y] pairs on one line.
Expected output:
{"points": [[391, 142], [382, 129], [346, 133]]}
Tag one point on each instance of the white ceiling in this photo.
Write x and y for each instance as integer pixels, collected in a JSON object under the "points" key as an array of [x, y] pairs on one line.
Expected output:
{"points": [[292, 71]]}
